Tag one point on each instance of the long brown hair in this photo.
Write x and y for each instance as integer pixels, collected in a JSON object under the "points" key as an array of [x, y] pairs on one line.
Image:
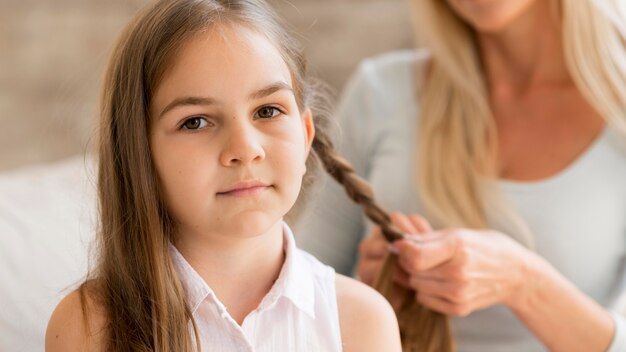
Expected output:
{"points": [[135, 281]]}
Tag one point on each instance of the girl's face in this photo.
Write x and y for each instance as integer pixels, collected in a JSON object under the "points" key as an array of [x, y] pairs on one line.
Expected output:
{"points": [[227, 138], [490, 16]]}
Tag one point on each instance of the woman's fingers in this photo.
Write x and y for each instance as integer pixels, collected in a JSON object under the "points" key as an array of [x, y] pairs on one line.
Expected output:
{"points": [[401, 278], [449, 307], [460, 272], [442, 305], [420, 223], [373, 250], [403, 223], [416, 256], [368, 269], [454, 292], [374, 246], [410, 224]]}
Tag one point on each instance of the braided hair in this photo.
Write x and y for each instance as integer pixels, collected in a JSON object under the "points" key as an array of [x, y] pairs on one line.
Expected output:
{"points": [[421, 329]]}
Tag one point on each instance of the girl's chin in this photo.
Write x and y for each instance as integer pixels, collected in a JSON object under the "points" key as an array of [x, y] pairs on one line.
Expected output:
{"points": [[251, 225]]}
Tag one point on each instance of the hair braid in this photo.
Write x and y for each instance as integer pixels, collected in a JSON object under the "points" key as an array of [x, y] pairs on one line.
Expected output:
{"points": [[421, 329], [357, 188]]}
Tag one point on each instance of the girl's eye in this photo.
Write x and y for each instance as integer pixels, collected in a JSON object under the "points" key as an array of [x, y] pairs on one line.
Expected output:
{"points": [[194, 123], [267, 112]]}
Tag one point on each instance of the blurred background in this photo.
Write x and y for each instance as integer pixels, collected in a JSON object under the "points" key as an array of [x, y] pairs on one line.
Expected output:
{"points": [[53, 53]]}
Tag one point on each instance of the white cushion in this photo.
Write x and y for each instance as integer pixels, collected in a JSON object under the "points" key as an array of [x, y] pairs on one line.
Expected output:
{"points": [[47, 224]]}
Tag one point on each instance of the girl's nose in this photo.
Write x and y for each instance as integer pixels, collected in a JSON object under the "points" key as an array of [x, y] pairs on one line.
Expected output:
{"points": [[242, 146]]}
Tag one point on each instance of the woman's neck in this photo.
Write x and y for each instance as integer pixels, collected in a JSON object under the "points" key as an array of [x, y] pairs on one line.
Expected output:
{"points": [[240, 271], [526, 54]]}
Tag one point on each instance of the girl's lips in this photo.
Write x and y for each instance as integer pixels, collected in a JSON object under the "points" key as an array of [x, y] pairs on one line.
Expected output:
{"points": [[245, 189], [245, 192]]}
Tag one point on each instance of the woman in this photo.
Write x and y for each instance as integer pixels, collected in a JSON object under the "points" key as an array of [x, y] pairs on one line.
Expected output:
{"points": [[509, 136]]}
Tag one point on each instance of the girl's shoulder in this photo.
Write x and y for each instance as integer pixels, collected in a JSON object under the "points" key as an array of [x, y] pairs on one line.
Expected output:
{"points": [[77, 323], [367, 321]]}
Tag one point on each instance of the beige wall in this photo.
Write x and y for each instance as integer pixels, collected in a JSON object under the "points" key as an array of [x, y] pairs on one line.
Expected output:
{"points": [[52, 54]]}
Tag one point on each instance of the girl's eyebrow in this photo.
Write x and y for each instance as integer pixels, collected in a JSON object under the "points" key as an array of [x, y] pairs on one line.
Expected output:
{"points": [[192, 100], [270, 89], [189, 100]]}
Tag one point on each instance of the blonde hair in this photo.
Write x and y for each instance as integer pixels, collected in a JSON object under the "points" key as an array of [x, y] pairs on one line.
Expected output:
{"points": [[458, 137]]}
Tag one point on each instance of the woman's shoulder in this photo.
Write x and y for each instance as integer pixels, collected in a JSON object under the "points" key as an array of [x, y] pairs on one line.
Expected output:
{"points": [[367, 321], [382, 92], [77, 323], [398, 59], [394, 70]]}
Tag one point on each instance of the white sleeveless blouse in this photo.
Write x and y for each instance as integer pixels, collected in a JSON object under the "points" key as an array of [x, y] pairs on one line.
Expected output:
{"points": [[299, 313]]}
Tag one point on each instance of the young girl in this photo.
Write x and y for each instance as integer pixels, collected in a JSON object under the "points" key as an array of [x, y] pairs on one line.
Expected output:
{"points": [[205, 139]]}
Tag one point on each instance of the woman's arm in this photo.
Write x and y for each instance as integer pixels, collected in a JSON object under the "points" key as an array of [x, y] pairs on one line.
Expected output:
{"points": [[367, 321], [559, 314], [457, 272]]}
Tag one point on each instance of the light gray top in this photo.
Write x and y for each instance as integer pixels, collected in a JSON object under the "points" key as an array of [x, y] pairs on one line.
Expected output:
{"points": [[578, 217]]}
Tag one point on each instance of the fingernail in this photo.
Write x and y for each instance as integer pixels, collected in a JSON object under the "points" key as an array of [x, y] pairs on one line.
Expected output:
{"points": [[392, 248], [413, 238]]}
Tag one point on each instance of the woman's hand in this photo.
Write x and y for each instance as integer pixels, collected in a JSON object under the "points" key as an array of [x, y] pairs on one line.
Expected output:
{"points": [[374, 249], [459, 271], [372, 253]]}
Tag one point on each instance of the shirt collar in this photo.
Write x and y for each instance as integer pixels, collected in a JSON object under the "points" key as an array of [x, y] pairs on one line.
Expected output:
{"points": [[196, 290], [295, 281]]}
